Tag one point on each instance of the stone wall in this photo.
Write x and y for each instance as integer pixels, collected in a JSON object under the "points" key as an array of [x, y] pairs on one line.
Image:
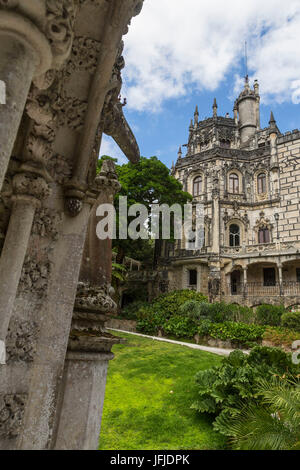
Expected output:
{"points": [[289, 160]]}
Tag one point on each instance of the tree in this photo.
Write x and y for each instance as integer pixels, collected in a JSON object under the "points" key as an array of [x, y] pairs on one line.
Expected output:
{"points": [[147, 182]]}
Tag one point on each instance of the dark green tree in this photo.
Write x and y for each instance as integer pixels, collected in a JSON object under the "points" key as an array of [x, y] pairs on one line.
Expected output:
{"points": [[147, 182]]}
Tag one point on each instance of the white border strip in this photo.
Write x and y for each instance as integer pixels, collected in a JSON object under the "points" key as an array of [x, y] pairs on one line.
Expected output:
{"points": [[2, 352]]}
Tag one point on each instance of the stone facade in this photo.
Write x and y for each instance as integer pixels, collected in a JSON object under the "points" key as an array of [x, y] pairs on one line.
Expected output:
{"points": [[247, 179], [61, 61]]}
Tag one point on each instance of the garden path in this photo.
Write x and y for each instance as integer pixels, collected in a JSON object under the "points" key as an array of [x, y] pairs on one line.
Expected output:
{"points": [[218, 351]]}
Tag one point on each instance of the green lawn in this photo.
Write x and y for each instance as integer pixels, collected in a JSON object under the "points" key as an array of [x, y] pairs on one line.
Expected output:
{"points": [[150, 388]]}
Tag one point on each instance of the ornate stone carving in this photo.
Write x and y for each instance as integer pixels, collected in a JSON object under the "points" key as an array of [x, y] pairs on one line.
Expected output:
{"points": [[46, 223], [95, 299], [84, 56], [60, 16], [70, 111], [11, 414], [35, 276], [30, 185], [59, 168], [73, 206], [21, 341]]}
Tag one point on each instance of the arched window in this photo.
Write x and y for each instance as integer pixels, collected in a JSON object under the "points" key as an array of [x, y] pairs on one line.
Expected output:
{"points": [[234, 235], [197, 186], [264, 235], [262, 183], [234, 186]]}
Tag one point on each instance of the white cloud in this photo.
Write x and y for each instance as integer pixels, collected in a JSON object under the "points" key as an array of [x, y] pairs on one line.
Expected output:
{"points": [[110, 148], [176, 46]]}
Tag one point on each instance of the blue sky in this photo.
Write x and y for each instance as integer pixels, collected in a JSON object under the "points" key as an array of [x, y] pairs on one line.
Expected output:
{"points": [[186, 56]]}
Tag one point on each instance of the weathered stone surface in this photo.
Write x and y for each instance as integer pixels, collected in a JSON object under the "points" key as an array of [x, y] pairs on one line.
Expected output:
{"points": [[72, 55]]}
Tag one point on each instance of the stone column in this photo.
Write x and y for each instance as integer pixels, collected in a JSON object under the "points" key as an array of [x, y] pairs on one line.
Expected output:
{"points": [[29, 189], [281, 290], [216, 224], [85, 381], [245, 270], [25, 52], [84, 377]]}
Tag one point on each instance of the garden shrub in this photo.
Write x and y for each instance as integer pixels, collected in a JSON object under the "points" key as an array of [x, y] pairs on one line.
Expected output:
{"points": [[291, 320], [270, 314], [280, 336], [153, 317], [240, 333], [148, 321], [223, 389], [204, 327], [169, 304], [193, 309], [181, 327], [218, 312]]}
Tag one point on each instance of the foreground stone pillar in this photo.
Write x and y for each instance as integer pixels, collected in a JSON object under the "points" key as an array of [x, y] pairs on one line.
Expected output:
{"points": [[38, 336], [84, 377], [29, 190], [85, 380], [89, 348], [25, 52]]}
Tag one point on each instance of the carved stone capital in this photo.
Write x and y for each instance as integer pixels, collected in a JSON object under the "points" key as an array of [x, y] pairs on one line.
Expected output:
{"points": [[94, 299], [31, 186]]}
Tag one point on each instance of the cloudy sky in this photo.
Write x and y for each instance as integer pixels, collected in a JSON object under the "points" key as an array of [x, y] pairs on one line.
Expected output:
{"points": [[182, 53]]}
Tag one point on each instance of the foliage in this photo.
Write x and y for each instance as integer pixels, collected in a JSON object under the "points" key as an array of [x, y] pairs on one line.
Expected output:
{"points": [[157, 314], [241, 333], [130, 311], [181, 327], [150, 387], [119, 272], [204, 327], [147, 182], [224, 389], [270, 314], [291, 320], [147, 321], [169, 304], [218, 312], [272, 423], [280, 336]]}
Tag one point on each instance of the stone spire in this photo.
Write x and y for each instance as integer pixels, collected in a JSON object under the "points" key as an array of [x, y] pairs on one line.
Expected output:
{"points": [[191, 125], [272, 120], [196, 115], [215, 108]]}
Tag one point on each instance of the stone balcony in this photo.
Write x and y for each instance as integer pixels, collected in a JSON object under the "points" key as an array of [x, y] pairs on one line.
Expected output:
{"points": [[259, 289], [276, 247]]}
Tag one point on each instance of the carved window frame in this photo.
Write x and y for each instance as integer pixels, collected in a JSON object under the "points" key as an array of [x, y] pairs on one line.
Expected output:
{"points": [[261, 196], [197, 180], [240, 182], [191, 179], [241, 225]]}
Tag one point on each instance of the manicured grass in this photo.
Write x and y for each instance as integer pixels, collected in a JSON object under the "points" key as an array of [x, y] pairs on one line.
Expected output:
{"points": [[150, 388]]}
